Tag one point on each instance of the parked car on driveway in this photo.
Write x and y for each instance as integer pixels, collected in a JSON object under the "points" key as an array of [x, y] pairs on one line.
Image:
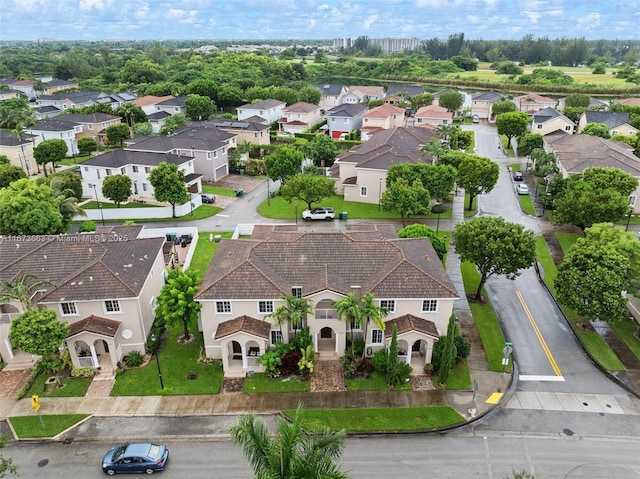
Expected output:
{"points": [[136, 457], [208, 198], [517, 176], [475, 119], [522, 189], [321, 213]]}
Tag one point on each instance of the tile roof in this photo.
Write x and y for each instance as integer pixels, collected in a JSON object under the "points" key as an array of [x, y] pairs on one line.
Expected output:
{"points": [[243, 324], [263, 105], [95, 324], [54, 124], [151, 100], [490, 96], [370, 91], [207, 130], [387, 147], [579, 152], [92, 118], [268, 267], [408, 90], [165, 144], [301, 107], [348, 110], [433, 111], [384, 111], [174, 101], [119, 158], [609, 118], [409, 322], [628, 101], [74, 96], [331, 89], [547, 114], [83, 266], [7, 139]]}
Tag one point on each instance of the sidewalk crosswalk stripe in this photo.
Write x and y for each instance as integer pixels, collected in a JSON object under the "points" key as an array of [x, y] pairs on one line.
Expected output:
{"points": [[534, 377]]}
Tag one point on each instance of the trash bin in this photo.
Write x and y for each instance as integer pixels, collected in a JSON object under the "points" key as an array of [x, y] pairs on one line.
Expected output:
{"points": [[240, 192], [342, 215], [272, 194]]}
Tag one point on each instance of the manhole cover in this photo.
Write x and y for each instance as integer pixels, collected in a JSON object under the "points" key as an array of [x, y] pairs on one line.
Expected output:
{"points": [[43, 462], [192, 376], [568, 432]]}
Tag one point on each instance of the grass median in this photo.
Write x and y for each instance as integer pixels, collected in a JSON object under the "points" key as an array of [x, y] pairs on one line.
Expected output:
{"points": [[27, 427]]}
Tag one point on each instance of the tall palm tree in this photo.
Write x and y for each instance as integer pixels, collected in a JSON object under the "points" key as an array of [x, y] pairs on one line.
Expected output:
{"points": [[67, 202], [291, 452], [294, 312], [435, 149], [372, 313], [349, 309], [22, 288]]}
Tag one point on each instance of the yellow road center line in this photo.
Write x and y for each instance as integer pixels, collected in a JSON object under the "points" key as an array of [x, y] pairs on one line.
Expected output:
{"points": [[543, 343]]}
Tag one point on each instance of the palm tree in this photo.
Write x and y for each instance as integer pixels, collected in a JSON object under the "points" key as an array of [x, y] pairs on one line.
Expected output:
{"points": [[291, 452], [349, 309], [294, 312], [22, 289], [67, 202], [372, 313], [435, 149]]}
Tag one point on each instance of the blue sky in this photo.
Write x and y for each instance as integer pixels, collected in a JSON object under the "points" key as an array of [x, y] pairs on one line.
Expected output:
{"points": [[316, 19]]}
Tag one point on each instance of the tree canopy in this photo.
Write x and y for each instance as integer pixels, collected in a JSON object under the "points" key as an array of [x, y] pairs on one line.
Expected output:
{"points": [[117, 188], [477, 175], [512, 124], [118, 133], [199, 108], [404, 199], [438, 179], [308, 188], [596, 129], [9, 174], [176, 304], [168, 184], [495, 246], [418, 230], [283, 163], [322, 150], [451, 100], [49, 151], [28, 209], [38, 332]]}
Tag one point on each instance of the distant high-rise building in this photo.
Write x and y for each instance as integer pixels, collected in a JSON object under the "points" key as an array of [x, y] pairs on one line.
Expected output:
{"points": [[387, 44]]}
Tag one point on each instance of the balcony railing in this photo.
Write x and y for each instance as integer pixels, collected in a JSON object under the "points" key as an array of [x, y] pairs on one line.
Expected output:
{"points": [[326, 314]]}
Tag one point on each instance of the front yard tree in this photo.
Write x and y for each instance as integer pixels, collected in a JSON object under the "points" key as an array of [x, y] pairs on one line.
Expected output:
{"points": [[529, 142], [582, 204], [405, 199], [39, 332], [512, 124], [451, 100], [49, 151], [9, 174], [597, 271], [372, 312], [168, 184], [87, 145], [22, 289], [28, 209], [176, 302], [308, 188], [6, 465], [322, 150], [596, 129], [117, 134], [173, 124], [500, 107], [477, 175], [349, 310], [418, 230], [117, 188], [283, 163], [294, 312], [293, 451], [609, 177], [495, 246], [449, 351], [199, 108]]}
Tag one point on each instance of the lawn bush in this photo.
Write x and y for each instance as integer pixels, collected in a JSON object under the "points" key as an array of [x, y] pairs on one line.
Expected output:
{"points": [[134, 359], [82, 372], [463, 347], [349, 364]]}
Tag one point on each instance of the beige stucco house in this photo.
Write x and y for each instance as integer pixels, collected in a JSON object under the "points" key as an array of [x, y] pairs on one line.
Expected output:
{"points": [[383, 117], [432, 115], [361, 173], [617, 121], [300, 116], [106, 285], [247, 278], [549, 120], [19, 151], [532, 103], [482, 104]]}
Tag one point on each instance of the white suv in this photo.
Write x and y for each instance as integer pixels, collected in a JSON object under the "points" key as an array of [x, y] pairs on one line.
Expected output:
{"points": [[320, 213]]}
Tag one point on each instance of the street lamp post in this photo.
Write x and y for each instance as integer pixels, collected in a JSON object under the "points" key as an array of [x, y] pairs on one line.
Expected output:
{"points": [[629, 218], [268, 193], [95, 190], [296, 203], [379, 192], [153, 338], [438, 223]]}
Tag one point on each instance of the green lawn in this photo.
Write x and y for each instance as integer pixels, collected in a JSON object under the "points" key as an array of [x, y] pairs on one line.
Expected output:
{"points": [[71, 387], [177, 363], [261, 383], [278, 207], [205, 250], [30, 426], [377, 382], [459, 377], [382, 419], [526, 204], [107, 205], [218, 190], [625, 330], [486, 321]]}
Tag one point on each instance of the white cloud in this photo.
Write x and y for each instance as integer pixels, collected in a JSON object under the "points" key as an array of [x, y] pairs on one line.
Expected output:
{"points": [[532, 16], [89, 5], [474, 19], [590, 20], [369, 21]]}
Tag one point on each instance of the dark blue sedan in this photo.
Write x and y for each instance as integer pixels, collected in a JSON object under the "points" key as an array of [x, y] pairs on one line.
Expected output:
{"points": [[136, 457]]}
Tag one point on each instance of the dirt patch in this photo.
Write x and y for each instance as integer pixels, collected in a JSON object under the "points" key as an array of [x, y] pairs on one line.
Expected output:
{"points": [[584, 326], [11, 382], [421, 382], [232, 385], [236, 182]]}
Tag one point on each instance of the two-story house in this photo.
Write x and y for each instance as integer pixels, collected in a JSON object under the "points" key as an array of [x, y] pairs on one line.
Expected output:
{"points": [[617, 121], [93, 125], [361, 173], [173, 105], [57, 128], [268, 110], [549, 120], [244, 131], [383, 117], [247, 278], [576, 153], [432, 115], [299, 117], [148, 102], [105, 288], [363, 94], [400, 95], [75, 99], [482, 103], [55, 85], [331, 95], [137, 165], [210, 157], [19, 151], [9, 94], [345, 118], [532, 103]]}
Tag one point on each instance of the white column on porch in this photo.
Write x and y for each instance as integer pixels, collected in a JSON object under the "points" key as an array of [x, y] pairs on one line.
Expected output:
{"points": [[94, 356]]}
